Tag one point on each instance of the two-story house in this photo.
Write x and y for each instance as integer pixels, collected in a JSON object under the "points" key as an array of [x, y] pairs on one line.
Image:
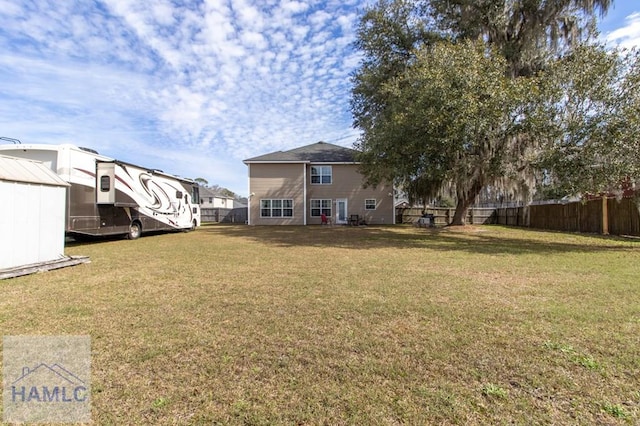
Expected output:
{"points": [[298, 186], [213, 199]]}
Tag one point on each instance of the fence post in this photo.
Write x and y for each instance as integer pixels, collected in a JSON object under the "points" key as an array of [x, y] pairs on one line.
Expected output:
{"points": [[605, 215]]}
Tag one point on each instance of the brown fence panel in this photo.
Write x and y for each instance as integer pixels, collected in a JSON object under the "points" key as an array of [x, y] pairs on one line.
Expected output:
{"points": [[548, 216], [408, 215], [512, 216], [573, 217], [443, 215], [591, 217], [481, 216], [624, 216], [570, 217]]}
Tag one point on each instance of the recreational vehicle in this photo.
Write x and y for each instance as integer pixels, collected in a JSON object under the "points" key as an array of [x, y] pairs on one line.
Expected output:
{"points": [[111, 197]]}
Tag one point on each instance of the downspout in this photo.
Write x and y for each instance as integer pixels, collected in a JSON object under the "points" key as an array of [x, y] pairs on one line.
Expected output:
{"points": [[249, 194], [605, 215], [393, 204], [304, 192]]}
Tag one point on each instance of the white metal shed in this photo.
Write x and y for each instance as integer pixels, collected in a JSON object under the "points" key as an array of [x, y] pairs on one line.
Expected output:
{"points": [[32, 216]]}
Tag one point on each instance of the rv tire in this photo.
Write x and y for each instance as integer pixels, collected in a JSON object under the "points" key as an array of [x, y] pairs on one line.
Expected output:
{"points": [[135, 230]]}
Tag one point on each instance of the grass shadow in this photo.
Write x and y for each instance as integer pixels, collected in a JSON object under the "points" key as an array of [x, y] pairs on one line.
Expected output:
{"points": [[487, 239]]}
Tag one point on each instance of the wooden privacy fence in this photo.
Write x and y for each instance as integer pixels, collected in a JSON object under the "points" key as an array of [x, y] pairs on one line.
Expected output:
{"points": [[600, 216], [608, 216], [624, 216], [443, 215], [512, 216], [237, 215], [571, 217]]}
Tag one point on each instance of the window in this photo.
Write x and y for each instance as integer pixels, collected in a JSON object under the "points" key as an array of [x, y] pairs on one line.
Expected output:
{"points": [[276, 208], [370, 204], [195, 194], [105, 183], [320, 206], [321, 175]]}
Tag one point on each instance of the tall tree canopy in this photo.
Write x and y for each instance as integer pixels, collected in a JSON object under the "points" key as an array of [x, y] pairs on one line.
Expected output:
{"points": [[455, 94], [592, 130], [453, 118], [526, 32]]}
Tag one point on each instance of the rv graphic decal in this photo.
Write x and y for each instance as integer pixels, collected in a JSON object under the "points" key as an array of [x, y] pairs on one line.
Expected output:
{"points": [[146, 181], [111, 197]]}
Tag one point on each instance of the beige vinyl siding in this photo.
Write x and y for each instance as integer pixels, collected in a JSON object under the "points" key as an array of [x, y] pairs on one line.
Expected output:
{"points": [[347, 183], [276, 182]]}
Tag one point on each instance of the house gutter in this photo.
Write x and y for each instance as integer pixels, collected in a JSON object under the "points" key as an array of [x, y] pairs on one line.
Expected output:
{"points": [[249, 195], [393, 204], [304, 193]]}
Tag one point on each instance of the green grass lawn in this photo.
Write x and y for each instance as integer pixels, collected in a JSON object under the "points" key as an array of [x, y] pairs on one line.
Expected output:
{"points": [[339, 325]]}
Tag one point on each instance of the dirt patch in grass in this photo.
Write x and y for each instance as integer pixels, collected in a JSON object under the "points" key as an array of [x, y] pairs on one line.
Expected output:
{"points": [[340, 325]]}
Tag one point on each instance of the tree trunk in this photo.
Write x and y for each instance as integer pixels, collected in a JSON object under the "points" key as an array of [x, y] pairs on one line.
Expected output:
{"points": [[460, 215], [465, 199]]}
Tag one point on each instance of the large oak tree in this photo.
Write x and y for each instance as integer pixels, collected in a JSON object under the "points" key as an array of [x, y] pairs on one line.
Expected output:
{"points": [[453, 94]]}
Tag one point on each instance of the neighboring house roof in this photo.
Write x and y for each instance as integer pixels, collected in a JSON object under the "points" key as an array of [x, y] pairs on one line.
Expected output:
{"points": [[29, 171], [320, 152], [207, 192]]}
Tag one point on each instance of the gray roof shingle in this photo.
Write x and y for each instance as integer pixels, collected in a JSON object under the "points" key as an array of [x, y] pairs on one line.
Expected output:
{"points": [[320, 152], [208, 192]]}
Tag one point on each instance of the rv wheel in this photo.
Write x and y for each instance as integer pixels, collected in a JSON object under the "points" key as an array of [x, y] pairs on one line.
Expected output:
{"points": [[135, 230], [194, 225]]}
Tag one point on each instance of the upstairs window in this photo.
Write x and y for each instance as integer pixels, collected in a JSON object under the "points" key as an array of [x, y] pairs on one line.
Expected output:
{"points": [[370, 204], [321, 175]]}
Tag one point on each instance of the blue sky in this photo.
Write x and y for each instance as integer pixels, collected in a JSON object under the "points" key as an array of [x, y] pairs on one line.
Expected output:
{"points": [[191, 87]]}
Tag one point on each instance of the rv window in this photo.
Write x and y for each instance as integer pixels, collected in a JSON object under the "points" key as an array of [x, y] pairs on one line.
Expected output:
{"points": [[178, 194], [195, 194], [105, 183]]}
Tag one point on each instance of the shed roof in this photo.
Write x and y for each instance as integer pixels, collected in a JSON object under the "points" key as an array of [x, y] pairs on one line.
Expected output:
{"points": [[14, 169], [320, 152]]}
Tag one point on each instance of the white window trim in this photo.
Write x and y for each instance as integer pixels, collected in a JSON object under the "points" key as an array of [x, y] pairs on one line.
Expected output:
{"points": [[311, 208], [281, 208], [375, 204], [320, 167]]}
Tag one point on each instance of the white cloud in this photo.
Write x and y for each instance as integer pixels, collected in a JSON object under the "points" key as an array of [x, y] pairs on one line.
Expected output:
{"points": [[9, 8], [203, 84], [253, 39], [627, 36], [294, 7], [320, 18], [162, 13]]}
